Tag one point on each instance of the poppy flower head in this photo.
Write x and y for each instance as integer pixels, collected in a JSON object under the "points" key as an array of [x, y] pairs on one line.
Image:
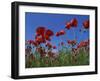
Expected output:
{"points": [[40, 30], [86, 24], [57, 34], [48, 45], [62, 32], [47, 37], [74, 22], [49, 32], [30, 41], [54, 47], [83, 44], [43, 39], [71, 42], [78, 46], [68, 25], [35, 43], [39, 40], [87, 42], [68, 41]]}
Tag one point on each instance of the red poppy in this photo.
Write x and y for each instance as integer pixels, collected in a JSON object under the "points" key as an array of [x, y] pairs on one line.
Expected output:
{"points": [[86, 24], [87, 42], [83, 44], [48, 45], [47, 37], [57, 34], [49, 32], [74, 22], [42, 35], [35, 43], [79, 45], [54, 47], [39, 39], [30, 41], [40, 30], [62, 32], [68, 25], [43, 39], [71, 42]]}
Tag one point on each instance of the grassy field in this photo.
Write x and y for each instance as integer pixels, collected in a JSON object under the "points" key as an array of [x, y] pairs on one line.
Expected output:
{"points": [[64, 58]]}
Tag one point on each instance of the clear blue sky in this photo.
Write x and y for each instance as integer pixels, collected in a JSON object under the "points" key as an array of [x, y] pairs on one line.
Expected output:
{"points": [[55, 22]]}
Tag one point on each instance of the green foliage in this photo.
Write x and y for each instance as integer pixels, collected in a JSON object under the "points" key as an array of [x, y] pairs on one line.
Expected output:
{"points": [[65, 58]]}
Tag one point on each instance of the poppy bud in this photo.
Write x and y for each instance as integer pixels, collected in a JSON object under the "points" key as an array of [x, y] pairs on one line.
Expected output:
{"points": [[57, 34], [68, 25], [74, 22], [86, 24], [62, 32], [54, 47]]}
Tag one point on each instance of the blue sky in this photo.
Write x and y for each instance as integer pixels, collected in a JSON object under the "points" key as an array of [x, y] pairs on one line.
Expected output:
{"points": [[55, 22]]}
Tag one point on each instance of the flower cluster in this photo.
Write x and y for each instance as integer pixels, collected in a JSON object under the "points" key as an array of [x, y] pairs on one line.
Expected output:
{"points": [[43, 37], [72, 23]]}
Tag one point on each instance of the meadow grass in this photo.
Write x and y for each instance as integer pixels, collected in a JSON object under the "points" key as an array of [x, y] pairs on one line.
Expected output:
{"points": [[63, 59]]}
